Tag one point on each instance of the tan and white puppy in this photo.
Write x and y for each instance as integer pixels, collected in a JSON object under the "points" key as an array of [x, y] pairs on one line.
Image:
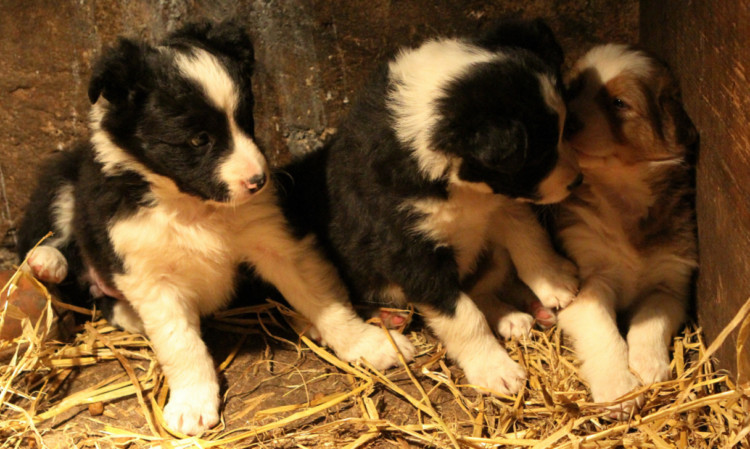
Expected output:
{"points": [[630, 226]]}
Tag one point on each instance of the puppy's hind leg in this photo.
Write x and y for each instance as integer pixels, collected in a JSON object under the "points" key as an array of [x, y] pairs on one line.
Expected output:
{"points": [[655, 320], [47, 264]]}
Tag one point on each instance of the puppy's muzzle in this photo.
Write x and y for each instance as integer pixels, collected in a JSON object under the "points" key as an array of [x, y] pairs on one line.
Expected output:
{"points": [[255, 183]]}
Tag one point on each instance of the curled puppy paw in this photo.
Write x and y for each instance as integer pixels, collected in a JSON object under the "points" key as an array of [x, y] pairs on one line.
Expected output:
{"points": [[47, 264], [373, 345]]}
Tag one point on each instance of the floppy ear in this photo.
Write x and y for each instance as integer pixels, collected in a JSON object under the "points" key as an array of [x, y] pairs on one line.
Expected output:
{"points": [[532, 35], [228, 37], [670, 105], [118, 73], [501, 146]]}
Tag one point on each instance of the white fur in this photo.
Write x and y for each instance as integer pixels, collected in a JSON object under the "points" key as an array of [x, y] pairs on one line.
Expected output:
{"points": [[180, 257], [471, 220], [198, 247], [47, 264], [62, 210], [611, 60], [470, 342], [246, 160], [419, 76]]}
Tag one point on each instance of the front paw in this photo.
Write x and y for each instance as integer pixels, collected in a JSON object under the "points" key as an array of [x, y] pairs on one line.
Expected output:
{"points": [[497, 373], [515, 324], [650, 364], [374, 346], [191, 411], [557, 285], [612, 385]]}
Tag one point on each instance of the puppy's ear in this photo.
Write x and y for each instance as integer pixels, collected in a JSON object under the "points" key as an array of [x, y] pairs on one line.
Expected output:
{"points": [[118, 73], [532, 35], [228, 37], [501, 146], [670, 105], [671, 109]]}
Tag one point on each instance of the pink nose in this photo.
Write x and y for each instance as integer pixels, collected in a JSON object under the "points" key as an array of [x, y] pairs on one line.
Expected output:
{"points": [[255, 183]]}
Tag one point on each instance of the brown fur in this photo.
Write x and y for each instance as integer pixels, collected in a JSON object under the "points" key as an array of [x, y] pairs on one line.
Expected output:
{"points": [[630, 226]]}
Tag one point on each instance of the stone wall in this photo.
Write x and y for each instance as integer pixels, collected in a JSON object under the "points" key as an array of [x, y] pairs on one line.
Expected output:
{"points": [[312, 56]]}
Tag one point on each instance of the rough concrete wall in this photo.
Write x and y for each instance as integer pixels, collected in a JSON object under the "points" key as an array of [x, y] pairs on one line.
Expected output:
{"points": [[708, 44], [312, 56]]}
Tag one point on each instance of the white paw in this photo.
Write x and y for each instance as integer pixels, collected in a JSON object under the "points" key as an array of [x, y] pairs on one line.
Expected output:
{"points": [[515, 324], [649, 364], [48, 264], [611, 386], [557, 285], [191, 411], [373, 345], [496, 372]]}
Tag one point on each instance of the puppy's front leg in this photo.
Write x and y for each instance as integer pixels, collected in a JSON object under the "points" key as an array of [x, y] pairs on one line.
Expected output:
{"points": [[551, 277], [172, 323], [657, 317], [469, 340], [590, 322], [312, 286]]}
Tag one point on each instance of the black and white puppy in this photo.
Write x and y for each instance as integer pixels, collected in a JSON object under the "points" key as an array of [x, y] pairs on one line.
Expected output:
{"points": [[630, 226], [171, 195], [434, 167]]}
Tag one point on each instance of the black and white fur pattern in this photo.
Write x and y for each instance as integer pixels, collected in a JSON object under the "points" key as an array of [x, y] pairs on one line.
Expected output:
{"points": [[630, 226], [432, 172], [169, 198]]}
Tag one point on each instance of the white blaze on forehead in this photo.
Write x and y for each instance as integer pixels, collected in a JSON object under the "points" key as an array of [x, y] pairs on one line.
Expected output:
{"points": [[209, 73], [246, 160], [419, 77], [611, 60]]}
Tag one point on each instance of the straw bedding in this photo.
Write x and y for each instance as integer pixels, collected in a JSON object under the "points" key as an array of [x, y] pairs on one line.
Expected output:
{"points": [[102, 388]]}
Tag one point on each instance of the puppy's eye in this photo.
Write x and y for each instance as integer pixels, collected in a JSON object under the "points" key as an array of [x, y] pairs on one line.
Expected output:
{"points": [[200, 140], [618, 103]]}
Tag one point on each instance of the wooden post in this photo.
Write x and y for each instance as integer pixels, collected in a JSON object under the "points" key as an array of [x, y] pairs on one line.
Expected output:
{"points": [[707, 44]]}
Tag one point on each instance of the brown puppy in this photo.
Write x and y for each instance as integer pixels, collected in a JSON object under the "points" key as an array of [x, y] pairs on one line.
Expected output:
{"points": [[630, 226]]}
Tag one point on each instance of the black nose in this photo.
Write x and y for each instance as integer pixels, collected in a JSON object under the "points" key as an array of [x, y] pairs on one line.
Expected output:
{"points": [[256, 183], [572, 125], [576, 182]]}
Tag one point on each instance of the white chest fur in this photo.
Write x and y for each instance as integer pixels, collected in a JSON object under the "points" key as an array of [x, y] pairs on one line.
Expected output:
{"points": [[192, 248]]}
